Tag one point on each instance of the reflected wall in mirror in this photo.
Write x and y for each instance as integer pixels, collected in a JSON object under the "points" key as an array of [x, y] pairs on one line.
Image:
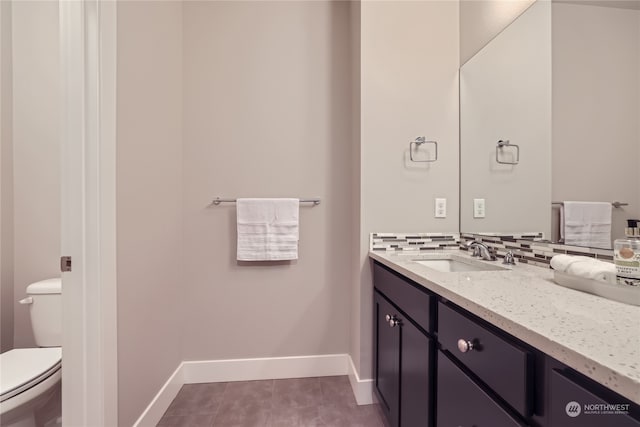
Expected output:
{"points": [[505, 94], [562, 82]]}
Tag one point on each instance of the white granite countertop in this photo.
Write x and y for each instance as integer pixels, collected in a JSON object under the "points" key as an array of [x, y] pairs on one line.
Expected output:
{"points": [[595, 336]]}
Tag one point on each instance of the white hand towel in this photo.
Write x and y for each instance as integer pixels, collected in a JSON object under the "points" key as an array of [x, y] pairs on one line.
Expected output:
{"points": [[587, 224], [562, 262], [268, 229], [586, 267]]}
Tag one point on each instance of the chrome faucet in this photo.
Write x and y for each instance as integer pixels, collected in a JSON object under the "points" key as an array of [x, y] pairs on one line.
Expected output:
{"points": [[481, 250]]}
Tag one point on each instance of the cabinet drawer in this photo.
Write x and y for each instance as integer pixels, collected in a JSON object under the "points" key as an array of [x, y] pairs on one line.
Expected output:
{"points": [[574, 405], [416, 303], [462, 403], [497, 361]]}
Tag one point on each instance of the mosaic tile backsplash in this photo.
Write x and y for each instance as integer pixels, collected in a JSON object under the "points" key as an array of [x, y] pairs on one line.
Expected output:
{"points": [[413, 241], [527, 248]]}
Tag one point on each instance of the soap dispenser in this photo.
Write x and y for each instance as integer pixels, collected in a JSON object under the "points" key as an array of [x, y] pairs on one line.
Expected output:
{"points": [[626, 255]]}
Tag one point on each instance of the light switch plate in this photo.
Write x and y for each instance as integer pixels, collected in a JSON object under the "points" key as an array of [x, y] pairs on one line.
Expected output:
{"points": [[478, 208], [441, 208]]}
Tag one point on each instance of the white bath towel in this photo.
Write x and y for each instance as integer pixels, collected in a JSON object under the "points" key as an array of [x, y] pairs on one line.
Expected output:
{"points": [[582, 266], [586, 224], [267, 229]]}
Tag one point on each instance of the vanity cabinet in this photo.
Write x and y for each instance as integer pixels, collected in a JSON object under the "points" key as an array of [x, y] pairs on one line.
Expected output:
{"points": [[437, 365], [403, 350]]}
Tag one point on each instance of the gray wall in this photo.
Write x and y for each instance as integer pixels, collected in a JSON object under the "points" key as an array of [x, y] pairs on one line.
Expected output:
{"points": [[267, 114], [151, 287], [6, 180]]}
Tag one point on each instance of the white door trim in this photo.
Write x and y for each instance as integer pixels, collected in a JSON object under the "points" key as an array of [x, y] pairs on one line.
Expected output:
{"points": [[88, 65]]}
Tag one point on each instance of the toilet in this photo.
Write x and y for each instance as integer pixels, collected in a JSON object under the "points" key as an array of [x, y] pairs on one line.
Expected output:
{"points": [[30, 377]]}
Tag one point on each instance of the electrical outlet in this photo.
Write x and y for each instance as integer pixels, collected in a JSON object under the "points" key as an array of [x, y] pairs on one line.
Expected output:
{"points": [[441, 208], [478, 208]]}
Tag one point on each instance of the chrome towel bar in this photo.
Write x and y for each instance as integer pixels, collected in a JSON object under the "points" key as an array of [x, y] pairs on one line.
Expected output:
{"points": [[218, 200], [614, 204]]}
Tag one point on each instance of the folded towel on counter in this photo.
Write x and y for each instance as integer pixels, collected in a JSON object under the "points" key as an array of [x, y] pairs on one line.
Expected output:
{"points": [[268, 229], [586, 267], [586, 224]]}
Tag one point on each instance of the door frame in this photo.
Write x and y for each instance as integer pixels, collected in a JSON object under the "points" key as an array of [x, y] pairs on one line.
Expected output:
{"points": [[88, 213]]}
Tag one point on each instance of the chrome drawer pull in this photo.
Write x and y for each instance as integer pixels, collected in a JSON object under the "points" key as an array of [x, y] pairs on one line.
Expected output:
{"points": [[465, 345]]}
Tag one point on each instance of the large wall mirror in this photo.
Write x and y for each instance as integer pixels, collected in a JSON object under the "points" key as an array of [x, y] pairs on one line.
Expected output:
{"points": [[561, 84]]}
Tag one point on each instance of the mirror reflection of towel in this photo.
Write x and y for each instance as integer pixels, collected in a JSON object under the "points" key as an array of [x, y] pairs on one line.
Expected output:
{"points": [[267, 229], [587, 224]]}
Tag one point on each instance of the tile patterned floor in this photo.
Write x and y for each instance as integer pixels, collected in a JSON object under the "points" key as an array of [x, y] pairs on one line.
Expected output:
{"points": [[300, 402]]}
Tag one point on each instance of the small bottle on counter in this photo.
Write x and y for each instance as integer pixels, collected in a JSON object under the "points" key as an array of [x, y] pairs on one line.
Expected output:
{"points": [[626, 255]]}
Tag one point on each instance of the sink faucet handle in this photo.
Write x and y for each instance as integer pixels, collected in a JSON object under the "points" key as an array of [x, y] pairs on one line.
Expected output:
{"points": [[509, 258], [475, 249]]}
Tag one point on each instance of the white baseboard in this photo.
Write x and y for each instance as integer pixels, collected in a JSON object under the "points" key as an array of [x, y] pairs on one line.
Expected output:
{"points": [[362, 389], [159, 405], [209, 371]]}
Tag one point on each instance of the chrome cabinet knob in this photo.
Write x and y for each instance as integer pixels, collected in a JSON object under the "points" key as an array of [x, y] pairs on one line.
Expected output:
{"points": [[465, 345], [393, 321]]}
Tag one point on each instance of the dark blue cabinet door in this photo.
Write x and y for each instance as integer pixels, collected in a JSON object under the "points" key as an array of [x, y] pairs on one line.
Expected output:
{"points": [[415, 368], [387, 362], [403, 367], [462, 403]]}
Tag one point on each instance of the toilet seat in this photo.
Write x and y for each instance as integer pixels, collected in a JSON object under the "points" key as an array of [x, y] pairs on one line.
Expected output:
{"points": [[23, 368]]}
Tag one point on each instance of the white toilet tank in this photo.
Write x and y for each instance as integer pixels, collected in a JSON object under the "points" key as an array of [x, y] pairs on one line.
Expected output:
{"points": [[45, 307]]}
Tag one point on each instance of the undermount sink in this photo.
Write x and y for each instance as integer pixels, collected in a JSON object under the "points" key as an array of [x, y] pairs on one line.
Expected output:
{"points": [[456, 265]]}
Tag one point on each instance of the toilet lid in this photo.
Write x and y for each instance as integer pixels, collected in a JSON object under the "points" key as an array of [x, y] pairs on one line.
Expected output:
{"points": [[22, 368]]}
